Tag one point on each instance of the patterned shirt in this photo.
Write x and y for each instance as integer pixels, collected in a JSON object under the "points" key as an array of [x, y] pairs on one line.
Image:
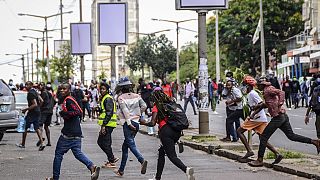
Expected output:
{"points": [[274, 99]]}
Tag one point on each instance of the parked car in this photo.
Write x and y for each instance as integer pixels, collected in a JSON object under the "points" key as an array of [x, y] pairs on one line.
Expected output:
{"points": [[21, 100], [8, 113]]}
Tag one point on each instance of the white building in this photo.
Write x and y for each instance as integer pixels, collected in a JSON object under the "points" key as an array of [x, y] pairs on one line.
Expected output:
{"points": [[101, 55], [303, 50]]}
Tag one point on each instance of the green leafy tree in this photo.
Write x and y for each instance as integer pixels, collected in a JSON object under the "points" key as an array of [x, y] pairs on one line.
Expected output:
{"points": [[155, 52], [189, 61], [237, 24], [63, 67]]}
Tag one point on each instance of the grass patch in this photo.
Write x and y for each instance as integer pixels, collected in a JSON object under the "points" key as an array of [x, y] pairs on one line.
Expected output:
{"points": [[200, 139], [286, 154]]}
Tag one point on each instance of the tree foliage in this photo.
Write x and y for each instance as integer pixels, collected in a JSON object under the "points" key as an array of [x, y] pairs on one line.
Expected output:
{"points": [[63, 67], [155, 52], [237, 24]]}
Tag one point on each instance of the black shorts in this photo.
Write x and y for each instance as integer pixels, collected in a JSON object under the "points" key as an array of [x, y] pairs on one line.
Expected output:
{"points": [[45, 119], [32, 119]]}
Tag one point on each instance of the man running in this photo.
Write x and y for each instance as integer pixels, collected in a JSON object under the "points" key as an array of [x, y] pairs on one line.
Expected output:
{"points": [[258, 122], [71, 135], [274, 99], [107, 121]]}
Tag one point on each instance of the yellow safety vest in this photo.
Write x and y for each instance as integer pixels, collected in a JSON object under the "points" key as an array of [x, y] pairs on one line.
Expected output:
{"points": [[113, 120]]}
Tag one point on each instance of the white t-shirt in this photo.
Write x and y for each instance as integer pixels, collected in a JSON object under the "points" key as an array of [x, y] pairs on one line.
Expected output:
{"points": [[254, 99]]}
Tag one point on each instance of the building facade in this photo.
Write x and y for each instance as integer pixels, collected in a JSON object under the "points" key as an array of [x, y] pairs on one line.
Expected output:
{"points": [[303, 50], [101, 55]]}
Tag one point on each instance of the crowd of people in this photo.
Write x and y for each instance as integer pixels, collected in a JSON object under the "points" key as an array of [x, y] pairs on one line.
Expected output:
{"points": [[264, 97]]}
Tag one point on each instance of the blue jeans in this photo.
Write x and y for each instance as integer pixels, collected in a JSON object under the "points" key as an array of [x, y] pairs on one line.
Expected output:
{"points": [[63, 146], [129, 143]]}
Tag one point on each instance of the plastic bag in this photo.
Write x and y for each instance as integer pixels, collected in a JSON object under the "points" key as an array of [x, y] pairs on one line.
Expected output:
{"points": [[21, 124]]}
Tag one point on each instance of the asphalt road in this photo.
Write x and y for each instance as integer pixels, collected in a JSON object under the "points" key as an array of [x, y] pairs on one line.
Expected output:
{"points": [[30, 164], [217, 126]]}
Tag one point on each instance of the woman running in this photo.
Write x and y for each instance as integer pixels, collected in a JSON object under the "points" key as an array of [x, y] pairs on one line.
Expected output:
{"points": [[167, 135]]}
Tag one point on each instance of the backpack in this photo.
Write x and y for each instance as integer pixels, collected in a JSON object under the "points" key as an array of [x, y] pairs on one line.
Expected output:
{"points": [[315, 100], [177, 118]]}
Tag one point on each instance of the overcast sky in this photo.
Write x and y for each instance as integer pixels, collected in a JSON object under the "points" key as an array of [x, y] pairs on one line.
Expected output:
{"points": [[11, 22]]}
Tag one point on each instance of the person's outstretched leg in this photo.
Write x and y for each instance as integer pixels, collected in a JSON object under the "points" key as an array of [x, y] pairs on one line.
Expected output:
{"points": [[161, 162], [245, 143]]}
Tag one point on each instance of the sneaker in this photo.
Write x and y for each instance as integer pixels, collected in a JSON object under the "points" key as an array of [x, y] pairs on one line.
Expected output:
{"points": [[118, 173], [215, 112], [289, 109], [20, 146], [116, 160], [90, 119], [95, 173], [190, 173], [41, 148], [278, 159], [38, 143], [226, 139], [109, 165], [144, 165], [180, 146], [48, 144], [49, 178]]}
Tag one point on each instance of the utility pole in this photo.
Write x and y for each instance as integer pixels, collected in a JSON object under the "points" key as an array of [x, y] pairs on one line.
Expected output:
{"points": [[32, 62], [43, 40], [113, 67], [177, 55], [37, 60], [203, 73], [61, 19], [263, 56], [23, 69], [217, 48], [81, 56], [28, 69], [47, 51]]}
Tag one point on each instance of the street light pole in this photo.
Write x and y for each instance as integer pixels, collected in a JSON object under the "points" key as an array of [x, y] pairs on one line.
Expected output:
{"points": [[61, 19], [217, 48], [32, 62], [263, 56], [46, 31], [177, 52], [177, 55], [82, 68]]}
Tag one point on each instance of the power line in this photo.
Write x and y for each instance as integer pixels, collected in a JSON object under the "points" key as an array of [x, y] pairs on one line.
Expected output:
{"points": [[5, 63]]}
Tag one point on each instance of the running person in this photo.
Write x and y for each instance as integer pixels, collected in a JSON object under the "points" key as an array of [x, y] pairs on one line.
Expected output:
{"points": [[274, 99], [131, 108], [258, 122], [167, 135], [107, 121], [71, 136]]}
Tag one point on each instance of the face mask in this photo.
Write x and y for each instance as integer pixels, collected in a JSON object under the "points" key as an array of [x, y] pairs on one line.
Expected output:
{"points": [[77, 87]]}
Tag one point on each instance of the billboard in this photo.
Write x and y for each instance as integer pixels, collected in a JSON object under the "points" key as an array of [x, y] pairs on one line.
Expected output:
{"points": [[201, 4], [112, 23], [80, 38], [58, 45]]}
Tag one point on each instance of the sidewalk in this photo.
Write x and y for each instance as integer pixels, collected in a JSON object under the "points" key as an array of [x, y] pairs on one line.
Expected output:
{"points": [[307, 166]]}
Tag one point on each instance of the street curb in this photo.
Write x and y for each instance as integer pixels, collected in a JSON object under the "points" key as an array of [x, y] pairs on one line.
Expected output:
{"points": [[234, 156]]}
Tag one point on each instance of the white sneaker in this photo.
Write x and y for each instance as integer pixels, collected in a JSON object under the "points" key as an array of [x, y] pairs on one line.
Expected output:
{"points": [[289, 109], [90, 119], [215, 112], [189, 173]]}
